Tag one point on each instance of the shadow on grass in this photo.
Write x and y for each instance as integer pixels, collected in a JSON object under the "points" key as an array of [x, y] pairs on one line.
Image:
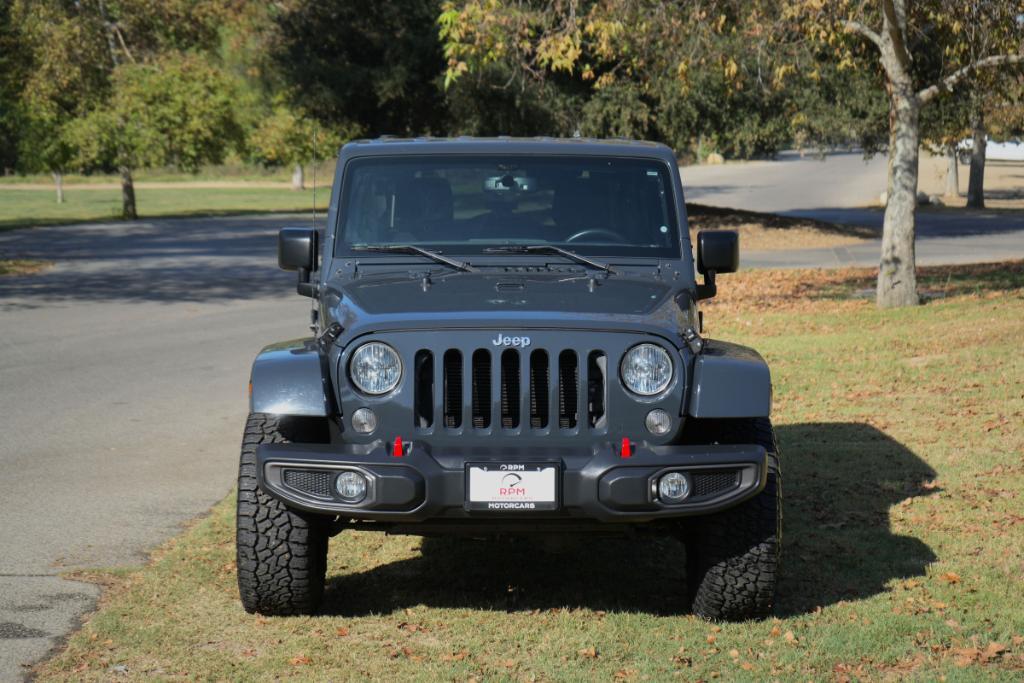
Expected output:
{"points": [[703, 217], [840, 481]]}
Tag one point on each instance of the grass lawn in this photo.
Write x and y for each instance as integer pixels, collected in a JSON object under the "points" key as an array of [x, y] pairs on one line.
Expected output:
{"points": [[903, 459], [21, 266], [21, 208]]}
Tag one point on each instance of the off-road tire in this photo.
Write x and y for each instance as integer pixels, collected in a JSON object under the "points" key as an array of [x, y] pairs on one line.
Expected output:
{"points": [[281, 553], [733, 556]]}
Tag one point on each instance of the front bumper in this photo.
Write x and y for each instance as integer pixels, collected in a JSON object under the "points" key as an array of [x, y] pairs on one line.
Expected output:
{"points": [[425, 484]]}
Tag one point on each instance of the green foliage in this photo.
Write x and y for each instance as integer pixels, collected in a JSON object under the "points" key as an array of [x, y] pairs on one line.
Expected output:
{"points": [[285, 137], [12, 78], [177, 111], [376, 65]]}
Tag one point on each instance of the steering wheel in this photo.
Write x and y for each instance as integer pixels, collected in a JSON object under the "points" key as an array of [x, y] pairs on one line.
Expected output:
{"points": [[616, 237]]}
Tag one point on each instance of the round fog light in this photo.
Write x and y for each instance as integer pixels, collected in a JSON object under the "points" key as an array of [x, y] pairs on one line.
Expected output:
{"points": [[673, 487], [351, 486], [364, 420], [658, 422]]}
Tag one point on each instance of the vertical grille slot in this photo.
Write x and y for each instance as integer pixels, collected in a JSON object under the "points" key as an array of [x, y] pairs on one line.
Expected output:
{"points": [[452, 389], [423, 394], [539, 374], [481, 388], [597, 372], [568, 388], [510, 389]]}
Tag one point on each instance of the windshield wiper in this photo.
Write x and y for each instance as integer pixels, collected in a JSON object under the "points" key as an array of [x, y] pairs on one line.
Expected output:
{"points": [[549, 249], [412, 249]]}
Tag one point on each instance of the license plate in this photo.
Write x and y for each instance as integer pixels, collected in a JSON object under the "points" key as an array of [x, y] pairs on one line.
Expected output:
{"points": [[511, 487]]}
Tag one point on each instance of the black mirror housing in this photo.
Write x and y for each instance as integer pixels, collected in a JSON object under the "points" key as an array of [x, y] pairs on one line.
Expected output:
{"points": [[718, 251], [297, 248]]}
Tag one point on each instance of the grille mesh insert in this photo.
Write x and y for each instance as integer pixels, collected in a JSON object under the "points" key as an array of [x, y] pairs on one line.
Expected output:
{"points": [[712, 483], [309, 481]]}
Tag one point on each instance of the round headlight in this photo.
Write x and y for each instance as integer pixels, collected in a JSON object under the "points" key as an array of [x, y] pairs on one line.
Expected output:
{"points": [[375, 368], [646, 369]]}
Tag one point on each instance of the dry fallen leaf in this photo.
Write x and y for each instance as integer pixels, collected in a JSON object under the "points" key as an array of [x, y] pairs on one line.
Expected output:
{"points": [[589, 652], [456, 656], [711, 640], [734, 653], [342, 631], [776, 631], [951, 577], [790, 638], [299, 660], [965, 656], [993, 650]]}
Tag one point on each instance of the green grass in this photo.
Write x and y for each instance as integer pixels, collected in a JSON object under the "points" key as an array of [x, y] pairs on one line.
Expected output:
{"points": [[903, 459], [222, 172], [23, 208], [22, 266]]}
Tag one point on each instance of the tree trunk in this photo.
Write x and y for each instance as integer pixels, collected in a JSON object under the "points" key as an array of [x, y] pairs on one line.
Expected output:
{"points": [[298, 178], [128, 194], [952, 173], [976, 182], [897, 279], [58, 182]]}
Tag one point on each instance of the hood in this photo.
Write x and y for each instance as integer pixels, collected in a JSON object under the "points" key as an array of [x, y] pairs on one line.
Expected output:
{"points": [[538, 299]]}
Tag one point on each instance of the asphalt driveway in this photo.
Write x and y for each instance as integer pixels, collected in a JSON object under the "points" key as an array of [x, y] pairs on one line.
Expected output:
{"points": [[123, 376]]}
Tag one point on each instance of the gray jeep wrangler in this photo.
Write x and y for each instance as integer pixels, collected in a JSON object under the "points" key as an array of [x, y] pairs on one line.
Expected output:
{"points": [[507, 341]]}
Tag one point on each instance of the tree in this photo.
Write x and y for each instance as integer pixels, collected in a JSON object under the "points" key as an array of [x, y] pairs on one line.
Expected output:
{"points": [[65, 70], [176, 111], [924, 48], [693, 74], [285, 137], [375, 64], [74, 50], [13, 74]]}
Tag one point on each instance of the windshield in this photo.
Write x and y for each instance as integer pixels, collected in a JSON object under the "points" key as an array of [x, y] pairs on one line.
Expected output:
{"points": [[467, 204]]}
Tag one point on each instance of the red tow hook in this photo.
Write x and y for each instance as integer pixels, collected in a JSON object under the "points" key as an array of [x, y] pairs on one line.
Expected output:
{"points": [[627, 448], [398, 450]]}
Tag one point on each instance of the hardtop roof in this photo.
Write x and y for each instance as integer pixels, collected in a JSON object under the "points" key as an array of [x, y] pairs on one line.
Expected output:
{"points": [[391, 146]]}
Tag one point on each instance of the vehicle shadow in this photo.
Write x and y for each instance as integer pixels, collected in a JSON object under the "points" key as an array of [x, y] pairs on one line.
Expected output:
{"points": [[841, 479]]}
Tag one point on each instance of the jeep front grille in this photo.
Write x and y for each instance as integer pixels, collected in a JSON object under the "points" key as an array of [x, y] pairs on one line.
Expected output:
{"points": [[511, 389]]}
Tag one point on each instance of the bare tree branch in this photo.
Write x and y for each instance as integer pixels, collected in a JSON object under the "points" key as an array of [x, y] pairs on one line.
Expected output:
{"points": [[858, 27], [947, 83]]}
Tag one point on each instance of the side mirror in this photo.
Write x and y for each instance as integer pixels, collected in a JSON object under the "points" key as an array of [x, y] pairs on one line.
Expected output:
{"points": [[718, 251], [297, 250]]}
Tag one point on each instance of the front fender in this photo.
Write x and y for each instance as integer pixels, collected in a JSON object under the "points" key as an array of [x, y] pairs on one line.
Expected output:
{"points": [[289, 379], [730, 380]]}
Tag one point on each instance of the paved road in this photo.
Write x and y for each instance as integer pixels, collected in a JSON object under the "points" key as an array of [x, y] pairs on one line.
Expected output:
{"points": [[838, 189], [123, 377]]}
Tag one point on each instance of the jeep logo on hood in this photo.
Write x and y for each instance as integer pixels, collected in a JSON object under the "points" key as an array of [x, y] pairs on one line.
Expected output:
{"points": [[502, 340]]}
